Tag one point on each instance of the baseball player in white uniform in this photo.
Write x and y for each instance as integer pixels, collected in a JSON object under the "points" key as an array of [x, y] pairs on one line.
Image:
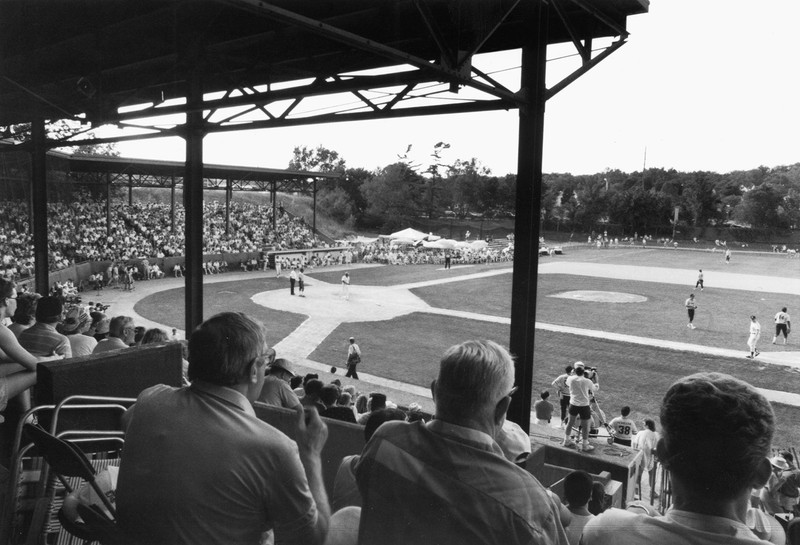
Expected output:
{"points": [[755, 334]]}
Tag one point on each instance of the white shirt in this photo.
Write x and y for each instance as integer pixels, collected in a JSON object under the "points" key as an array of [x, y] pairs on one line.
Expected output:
{"points": [[346, 280], [580, 390], [618, 527], [646, 441], [755, 329]]}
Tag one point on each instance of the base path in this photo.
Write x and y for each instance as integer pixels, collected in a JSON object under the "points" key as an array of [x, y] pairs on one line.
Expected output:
{"points": [[326, 310]]}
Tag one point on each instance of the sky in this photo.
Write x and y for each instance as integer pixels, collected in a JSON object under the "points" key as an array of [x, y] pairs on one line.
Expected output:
{"points": [[700, 85]]}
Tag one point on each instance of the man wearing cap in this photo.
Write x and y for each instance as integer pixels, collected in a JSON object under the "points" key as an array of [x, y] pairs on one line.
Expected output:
{"points": [[276, 390], [353, 358], [580, 396], [770, 494], [448, 481], [75, 324], [121, 333], [717, 434], [42, 339]]}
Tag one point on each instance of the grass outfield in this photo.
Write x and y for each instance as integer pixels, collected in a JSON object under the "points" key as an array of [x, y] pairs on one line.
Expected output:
{"points": [[408, 348]]}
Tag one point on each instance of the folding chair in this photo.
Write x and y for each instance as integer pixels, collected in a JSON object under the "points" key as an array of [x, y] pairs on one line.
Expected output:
{"points": [[34, 497], [67, 460]]}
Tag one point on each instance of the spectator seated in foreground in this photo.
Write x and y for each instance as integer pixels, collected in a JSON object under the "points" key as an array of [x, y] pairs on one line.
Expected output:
{"points": [[448, 481], [717, 432], [42, 339], [121, 334], [200, 467], [345, 489], [329, 396], [276, 390]]}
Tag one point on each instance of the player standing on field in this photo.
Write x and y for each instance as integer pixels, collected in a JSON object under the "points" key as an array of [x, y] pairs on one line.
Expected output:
{"points": [[699, 280], [783, 324], [752, 341], [691, 306]]}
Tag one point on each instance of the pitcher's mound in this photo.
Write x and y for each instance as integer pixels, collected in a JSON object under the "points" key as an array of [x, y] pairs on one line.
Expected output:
{"points": [[601, 296]]}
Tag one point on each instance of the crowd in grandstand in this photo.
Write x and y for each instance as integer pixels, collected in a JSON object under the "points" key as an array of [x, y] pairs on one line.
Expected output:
{"points": [[77, 232]]}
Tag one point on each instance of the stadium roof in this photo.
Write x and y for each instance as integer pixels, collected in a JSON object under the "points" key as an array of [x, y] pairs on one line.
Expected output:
{"points": [[127, 63]]}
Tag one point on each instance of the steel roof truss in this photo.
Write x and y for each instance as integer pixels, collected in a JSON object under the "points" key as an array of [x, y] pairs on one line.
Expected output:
{"points": [[317, 27]]}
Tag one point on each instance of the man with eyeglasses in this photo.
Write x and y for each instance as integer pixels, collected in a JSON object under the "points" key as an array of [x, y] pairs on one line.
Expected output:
{"points": [[200, 467], [448, 481]]}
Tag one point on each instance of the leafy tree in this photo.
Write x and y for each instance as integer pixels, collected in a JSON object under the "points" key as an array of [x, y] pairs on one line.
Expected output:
{"points": [[320, 159], [338, 205], [393, 193], [759, 207], [699, 198]]}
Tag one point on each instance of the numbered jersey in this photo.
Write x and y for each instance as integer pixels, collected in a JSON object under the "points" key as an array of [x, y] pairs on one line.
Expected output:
{"points": [[624, 428]]}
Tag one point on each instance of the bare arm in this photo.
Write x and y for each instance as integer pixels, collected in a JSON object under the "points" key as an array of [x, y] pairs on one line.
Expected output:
{"points": [[15, 352], [311, 436]]}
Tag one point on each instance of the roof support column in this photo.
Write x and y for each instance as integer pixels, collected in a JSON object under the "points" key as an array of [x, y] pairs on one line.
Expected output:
{"points": [[228, 195], [528, 206], [108, 204], [172, 205], [193, 199], [39, 206], [274, 209], [314, 210]]}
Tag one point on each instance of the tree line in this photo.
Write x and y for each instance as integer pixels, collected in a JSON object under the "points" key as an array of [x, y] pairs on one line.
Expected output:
{"points": [[762, 198]]}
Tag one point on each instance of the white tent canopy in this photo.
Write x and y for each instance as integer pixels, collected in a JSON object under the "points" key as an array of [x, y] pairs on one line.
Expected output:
{"points": [[409, 233]]}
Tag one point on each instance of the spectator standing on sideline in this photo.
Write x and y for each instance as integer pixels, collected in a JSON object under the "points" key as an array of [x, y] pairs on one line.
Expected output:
{"points": [[580, 393], [42, 339], [353, 358], [292, 280], [346, 286], [646, 441], [543, 409], [699, 283], [713, 471], [171, 489], [783, 324], [752, 340], [691, 306], [624, 428], [560, 384], [448, 481]]}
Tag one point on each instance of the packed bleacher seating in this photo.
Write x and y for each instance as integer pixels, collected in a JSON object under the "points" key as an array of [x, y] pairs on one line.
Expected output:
{"points": [[77, 232]]}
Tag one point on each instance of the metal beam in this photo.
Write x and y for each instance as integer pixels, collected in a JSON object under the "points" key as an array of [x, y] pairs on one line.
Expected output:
{"points": [[561, 85], [193, 198], [365, 44], [526, 225], [39, 206]]}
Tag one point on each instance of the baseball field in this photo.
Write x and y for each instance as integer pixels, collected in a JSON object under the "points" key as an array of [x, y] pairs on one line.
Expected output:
{"points": [[620, 310]]}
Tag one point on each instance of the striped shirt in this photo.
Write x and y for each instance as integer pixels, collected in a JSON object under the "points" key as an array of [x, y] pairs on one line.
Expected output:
{"points": [[442, 483], [43, 340]]}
